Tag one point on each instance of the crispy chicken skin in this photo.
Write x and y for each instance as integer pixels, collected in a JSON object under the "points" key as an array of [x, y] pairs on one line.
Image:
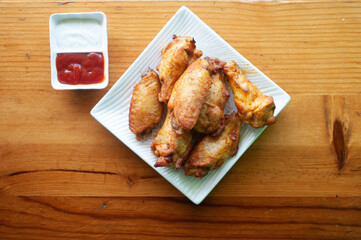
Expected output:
{"points": [[145, 109], [211, 116], [211, 152], [177, 55], [254, 108], [171, 147], [189, 94]]}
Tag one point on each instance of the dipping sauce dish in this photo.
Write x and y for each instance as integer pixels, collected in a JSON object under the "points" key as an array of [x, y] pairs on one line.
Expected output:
{"points": [[79, 51]]}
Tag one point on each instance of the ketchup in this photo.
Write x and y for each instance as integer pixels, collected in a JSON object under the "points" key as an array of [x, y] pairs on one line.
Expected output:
{"points": [[80, 68]]}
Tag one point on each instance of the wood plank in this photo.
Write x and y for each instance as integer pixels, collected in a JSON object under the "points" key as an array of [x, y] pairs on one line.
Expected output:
{"points": [[295, 157], [306, 48], [51, 146], [177, 218], [64, 2]]}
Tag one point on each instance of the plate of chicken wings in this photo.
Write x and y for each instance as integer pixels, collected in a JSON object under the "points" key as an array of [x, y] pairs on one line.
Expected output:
{"points": [[190, 105]]}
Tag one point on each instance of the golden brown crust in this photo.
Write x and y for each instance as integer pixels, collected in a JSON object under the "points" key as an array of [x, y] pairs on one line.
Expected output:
{"points": [[211, 115], [171, 147], [145, 109], [216, 64], [177, 55], [189, 94], [254, 108], [211, 152]]}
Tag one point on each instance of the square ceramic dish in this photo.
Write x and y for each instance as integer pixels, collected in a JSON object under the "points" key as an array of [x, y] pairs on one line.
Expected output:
{"points": [[78, 33], [113, 109]]}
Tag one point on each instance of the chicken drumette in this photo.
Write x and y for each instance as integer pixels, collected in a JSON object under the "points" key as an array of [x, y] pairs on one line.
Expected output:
{"points": [[177, 55], [254, 108], [211, 115], [211, 152], [145, 109], [189, 93], [171, 147]]}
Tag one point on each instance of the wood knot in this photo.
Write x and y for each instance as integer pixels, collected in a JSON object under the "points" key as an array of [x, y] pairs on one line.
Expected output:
{"points": [[130, 180], [338, 142]]}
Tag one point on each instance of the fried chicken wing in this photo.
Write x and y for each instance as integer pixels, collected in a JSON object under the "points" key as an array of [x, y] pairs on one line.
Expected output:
{"points": [[254, 108], [211, 115], [211, 152], [171, 147], [177, 55], [145, 109], [189, 94]]}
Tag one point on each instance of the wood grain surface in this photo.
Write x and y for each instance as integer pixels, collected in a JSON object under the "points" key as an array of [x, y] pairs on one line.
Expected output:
{"points": [[176, 218], [62, 175]]}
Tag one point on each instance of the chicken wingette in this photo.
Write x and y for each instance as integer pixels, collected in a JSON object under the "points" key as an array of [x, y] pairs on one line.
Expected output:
{"points": [[254, 108], [177, 55], [211, 152], [189, 93], [171, 147], [145, 109], [211, 115]]}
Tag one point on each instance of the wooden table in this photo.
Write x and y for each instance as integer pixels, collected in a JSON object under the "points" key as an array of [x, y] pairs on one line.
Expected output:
{"points": [[64, 176]]}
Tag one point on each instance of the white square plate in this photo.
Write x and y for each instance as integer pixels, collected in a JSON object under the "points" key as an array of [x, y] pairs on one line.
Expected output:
{"points": [[78, 33], [113, 109]]}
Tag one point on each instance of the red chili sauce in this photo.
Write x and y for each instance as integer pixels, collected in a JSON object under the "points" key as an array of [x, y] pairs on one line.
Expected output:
{"points": [[80, 68]]}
